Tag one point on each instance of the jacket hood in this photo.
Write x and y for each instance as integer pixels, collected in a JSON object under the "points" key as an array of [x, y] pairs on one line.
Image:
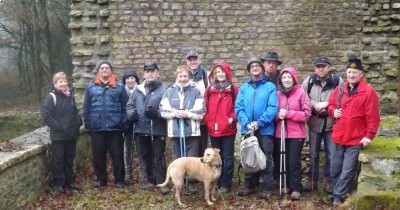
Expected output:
{"points": [[292, 70], [225, 67]]}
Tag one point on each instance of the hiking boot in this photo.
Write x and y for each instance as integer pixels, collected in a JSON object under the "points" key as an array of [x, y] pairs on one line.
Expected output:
{"points": [[224, 190], [337, 202], [295, 195], [329, 187], [99, 183], [119, 185], [59, 189], [192, 188], [264, 194], [245, 192], [147, 185], [311, 186], [74, 186], [164, 190]]}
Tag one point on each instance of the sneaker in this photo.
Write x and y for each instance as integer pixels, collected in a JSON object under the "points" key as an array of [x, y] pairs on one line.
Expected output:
{"points": [[164, 190], [264, 194], [311, 186], [295, 195], [224, 190], [245, 191]]}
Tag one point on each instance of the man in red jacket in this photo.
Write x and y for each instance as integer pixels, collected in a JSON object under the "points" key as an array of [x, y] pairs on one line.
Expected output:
{"points": [[355, 108]]}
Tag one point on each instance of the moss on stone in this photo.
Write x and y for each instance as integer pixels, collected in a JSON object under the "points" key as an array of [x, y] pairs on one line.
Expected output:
{"points": [[390, 121], [384, 200], [389, 146]]}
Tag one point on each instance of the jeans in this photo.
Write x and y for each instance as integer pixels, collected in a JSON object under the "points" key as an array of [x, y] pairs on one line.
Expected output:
{"points": [[152, 151], [344, 168], [315, 148], [226, 145], [63, 153], [252, 179], [103, 142]]}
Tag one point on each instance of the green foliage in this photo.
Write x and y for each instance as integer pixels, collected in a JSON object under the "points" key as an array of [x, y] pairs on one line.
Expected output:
{"points": [[389, 146]]}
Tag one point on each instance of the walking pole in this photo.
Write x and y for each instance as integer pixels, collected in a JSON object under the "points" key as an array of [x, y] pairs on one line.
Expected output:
{"points": [[282, 163], [182, 141]]}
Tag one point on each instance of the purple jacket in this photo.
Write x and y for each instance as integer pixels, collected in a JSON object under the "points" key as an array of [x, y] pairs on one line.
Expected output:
{"points": [[297, 102]]}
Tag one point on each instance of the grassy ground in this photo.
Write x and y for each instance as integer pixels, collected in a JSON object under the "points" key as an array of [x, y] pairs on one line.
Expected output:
{"points": [[134, 197]]}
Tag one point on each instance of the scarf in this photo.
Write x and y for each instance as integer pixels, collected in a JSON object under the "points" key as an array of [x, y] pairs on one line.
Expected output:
{"points": [[112, 81]]}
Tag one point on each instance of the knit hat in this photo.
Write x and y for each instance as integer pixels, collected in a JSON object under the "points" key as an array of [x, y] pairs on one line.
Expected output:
{"points": [[355, 63], [271, 56], [255, 61], [103, 62], [129, 73]]}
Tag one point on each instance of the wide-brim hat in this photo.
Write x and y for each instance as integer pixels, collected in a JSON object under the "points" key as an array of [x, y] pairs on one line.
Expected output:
{"points": [[271, 56]]}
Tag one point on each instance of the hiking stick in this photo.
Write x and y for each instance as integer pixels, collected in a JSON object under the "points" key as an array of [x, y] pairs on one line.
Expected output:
{"points": [[182, 142], [282, 163]]}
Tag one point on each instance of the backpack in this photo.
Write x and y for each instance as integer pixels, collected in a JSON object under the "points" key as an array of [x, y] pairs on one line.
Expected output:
{"points": [[332, 75], [54, 97], [252, 158]]}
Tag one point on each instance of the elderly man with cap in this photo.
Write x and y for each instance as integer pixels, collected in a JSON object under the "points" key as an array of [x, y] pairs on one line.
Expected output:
{"points": [[271, 62], [149, 126], [104, 110], [355, 108], [200, 80], [319, 86], [256, 107]]}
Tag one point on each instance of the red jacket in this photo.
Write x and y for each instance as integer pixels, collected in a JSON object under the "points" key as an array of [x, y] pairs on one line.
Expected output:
{"points": [[360, 114], [220, 106]]}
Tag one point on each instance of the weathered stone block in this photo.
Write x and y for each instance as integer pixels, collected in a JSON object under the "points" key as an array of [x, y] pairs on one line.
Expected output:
{"points": [[82, 52], [102, 2], [396, 5], [394, 40], [104, 13], [76, 13], [74, 26], [392, 72]]}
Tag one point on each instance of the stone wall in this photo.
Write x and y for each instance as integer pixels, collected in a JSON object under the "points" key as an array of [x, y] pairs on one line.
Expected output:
{"points": [[131, 33], [25, 174]]}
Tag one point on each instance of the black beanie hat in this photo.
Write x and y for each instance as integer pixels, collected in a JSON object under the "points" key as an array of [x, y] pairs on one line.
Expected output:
{"points": [[129, 73], [255, 61], [103, 62], [355, 63]]}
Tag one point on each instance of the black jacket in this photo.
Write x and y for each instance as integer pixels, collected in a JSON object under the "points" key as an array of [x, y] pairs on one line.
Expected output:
{"points": [[147, 97], [61, 116]]}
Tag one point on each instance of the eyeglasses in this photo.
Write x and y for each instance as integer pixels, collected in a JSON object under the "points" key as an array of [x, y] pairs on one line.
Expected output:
{"points": [[104, 68]]}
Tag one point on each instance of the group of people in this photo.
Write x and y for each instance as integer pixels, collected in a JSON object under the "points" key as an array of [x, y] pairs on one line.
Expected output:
{"points": [[204, 105]]}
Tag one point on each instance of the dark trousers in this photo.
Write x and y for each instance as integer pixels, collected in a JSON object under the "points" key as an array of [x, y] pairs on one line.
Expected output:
{"points": [[131, 144], [152, 153], [293, 163], [103, 142], [252, 179], [192, 147], [343, 168], [203, 140], [63, 162], [315, 148], [226, 146]]}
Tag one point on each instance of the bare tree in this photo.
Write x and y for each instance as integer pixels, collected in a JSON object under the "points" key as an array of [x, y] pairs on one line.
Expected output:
{"points": [[35, 28]]}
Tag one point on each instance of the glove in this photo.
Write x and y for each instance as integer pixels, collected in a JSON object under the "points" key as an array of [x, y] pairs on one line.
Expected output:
{"points": [[134, 117], [150, 112], [365, 141]]}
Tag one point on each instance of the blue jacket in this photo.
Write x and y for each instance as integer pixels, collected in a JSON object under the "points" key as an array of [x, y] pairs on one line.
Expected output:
{"points": [[257, 101], [104, 107]]}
